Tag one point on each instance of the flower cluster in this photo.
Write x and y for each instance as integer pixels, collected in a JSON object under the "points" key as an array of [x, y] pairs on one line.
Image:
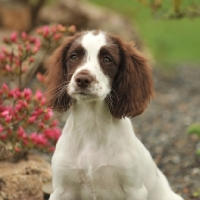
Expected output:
{"points": [[25, 121], [55, 32], [19, 48]]}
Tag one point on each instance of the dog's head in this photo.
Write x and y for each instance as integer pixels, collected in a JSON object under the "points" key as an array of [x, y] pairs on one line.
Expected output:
{"points": [[93, 66]]}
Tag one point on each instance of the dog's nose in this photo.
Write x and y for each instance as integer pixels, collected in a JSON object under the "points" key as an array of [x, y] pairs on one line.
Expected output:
{"points": [[83, 80]]}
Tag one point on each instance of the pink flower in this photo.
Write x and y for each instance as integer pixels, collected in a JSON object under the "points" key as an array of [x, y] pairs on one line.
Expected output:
{"points": [[52, 149], [38, 139], [32, 119], [39, 31], [31, 39], [41, 125], [18, 106], [20, 48], [40, 77], [5, 113], [35, 49], [5, 87], [61, 28], [21, 133], [27, 94], [24, 68], [54, 123], [54, 29], [72, 29], [52, 133], [43, 101], [4, 50], [57, 36], [38, 95], [21, 104], [37, 42], [46, 31], [8, 68], [5, 40], [17, 149], [1, 129], [13, 37], [8, 118], [25, 141], [24, 35], [15, 93], [28, 47], [31, 59], [48, 115], [2, 57], [3, 136], [37, 112]]}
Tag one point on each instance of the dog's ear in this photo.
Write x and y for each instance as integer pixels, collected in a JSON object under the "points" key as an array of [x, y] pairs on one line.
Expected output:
{"points": [[56, 78], [132, 87]]}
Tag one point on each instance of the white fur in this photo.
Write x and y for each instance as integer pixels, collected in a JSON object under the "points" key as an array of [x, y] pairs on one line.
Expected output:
{"points": [[100, 88], [98, 157]]}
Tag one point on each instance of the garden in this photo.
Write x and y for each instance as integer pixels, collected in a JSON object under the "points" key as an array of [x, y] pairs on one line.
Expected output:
{"points": [[167, 32]]}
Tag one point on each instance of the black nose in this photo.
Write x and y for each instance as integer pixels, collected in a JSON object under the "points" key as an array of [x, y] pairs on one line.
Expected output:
{"points": [[83, 80]]}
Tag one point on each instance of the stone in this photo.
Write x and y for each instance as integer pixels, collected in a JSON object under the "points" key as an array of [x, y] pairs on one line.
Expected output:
{"points": [[85, 15], [15, 16], [25, 179]]}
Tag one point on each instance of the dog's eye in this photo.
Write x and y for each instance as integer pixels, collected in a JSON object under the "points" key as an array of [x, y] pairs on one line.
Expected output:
{"points": [[73, 57], [107, 60]]}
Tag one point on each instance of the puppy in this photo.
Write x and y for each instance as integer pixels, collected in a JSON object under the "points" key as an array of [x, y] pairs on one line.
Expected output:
{"points": [[104, 82]]}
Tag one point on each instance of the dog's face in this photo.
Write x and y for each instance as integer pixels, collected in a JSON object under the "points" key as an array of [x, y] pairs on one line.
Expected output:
{"points": [[94, 66], [92, 63]]}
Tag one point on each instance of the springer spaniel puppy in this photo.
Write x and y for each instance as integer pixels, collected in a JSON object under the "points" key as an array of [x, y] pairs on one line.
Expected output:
{"points": [[104, 82]]}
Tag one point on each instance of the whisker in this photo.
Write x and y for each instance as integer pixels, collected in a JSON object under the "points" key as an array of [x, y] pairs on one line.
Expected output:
{"points": [[64, 89], [59, 86], [115, 94], [57, 92]]}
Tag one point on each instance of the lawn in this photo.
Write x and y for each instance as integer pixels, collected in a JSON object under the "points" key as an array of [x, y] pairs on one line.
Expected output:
{"points": [[171, 41]]}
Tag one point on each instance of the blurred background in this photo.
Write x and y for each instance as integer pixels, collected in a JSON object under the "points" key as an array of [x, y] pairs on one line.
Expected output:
{"points": [[168, 33]]}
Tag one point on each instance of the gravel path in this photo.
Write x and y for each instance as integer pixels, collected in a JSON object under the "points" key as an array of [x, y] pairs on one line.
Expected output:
{"points": [[162, 127]]}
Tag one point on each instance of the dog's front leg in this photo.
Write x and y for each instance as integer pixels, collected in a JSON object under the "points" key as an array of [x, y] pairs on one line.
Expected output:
{"points": [[65, 194]]}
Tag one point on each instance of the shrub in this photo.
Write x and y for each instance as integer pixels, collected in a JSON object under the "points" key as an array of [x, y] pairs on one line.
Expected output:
{"points": [[25, 121]]}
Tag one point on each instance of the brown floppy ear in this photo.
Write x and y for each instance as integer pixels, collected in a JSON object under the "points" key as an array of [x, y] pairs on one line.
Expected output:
{"points": [[132, 87], [56, 78]]}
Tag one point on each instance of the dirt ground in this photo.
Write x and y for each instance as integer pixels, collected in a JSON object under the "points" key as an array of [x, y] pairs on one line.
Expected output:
{"points": [[162, 127]]}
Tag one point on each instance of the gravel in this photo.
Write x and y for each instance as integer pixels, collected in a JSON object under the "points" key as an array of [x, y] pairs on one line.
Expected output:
{"points": [[162, 127]]}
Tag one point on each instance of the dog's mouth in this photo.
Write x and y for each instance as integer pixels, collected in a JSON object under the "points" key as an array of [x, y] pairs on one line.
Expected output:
{"points": [[84, 95]]}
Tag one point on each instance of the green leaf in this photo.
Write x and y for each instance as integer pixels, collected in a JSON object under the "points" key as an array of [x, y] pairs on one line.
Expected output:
{"points": [[194, 129], [198, 152]]}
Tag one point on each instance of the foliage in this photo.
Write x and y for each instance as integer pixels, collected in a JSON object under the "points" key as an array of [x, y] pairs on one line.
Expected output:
{"points": [[172, 9], [194, 129], [170, 41], [25, 121]]}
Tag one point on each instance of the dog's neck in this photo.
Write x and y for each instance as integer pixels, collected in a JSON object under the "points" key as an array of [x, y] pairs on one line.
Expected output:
{"points": [[91, 111], [92, 118]]}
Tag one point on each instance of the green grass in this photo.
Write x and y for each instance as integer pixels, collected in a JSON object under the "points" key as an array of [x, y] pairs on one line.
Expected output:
{"points": [[171, 41]]}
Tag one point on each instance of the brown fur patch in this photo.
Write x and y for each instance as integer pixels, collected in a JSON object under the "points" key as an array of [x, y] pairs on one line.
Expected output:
{"points": [[58, 76], [132, 87]]}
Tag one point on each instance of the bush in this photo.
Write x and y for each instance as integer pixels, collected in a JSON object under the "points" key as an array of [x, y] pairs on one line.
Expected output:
{"points": [[25, 121]]}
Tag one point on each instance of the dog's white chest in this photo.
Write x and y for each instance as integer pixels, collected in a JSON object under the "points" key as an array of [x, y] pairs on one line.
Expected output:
{"points": [[105, 182], [94, 173]]}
